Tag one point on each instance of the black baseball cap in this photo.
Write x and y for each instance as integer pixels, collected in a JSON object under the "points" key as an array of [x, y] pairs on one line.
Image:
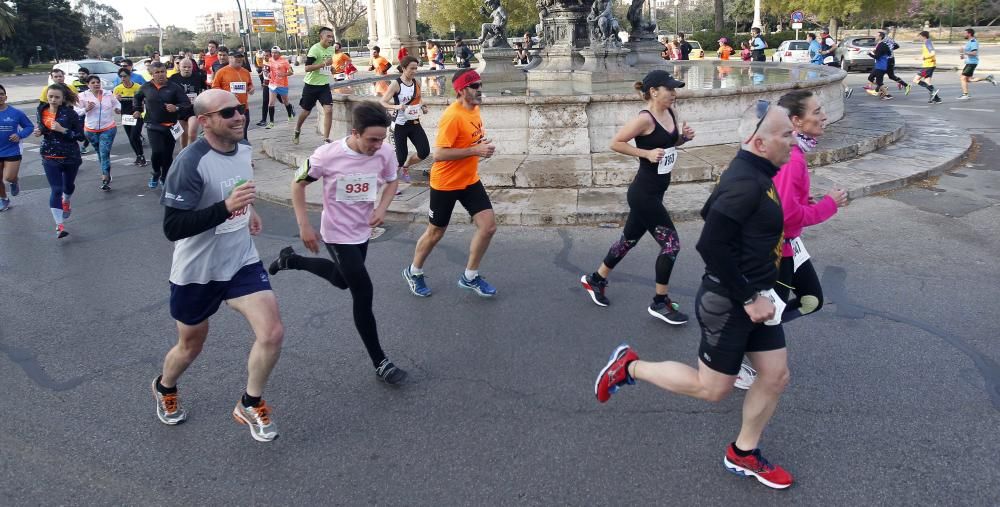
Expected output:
{"points": [[658, 78], [237, 53]]}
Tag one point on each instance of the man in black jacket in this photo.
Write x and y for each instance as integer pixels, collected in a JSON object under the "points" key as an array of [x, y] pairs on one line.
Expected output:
{"points": [[162, 101]]}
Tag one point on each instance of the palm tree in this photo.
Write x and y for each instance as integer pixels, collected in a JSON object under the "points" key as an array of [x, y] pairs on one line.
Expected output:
{"points": [[8, 19]]}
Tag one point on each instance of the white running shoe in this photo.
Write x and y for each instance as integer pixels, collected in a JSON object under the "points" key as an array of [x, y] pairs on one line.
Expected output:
{"points": [[745, 378]]}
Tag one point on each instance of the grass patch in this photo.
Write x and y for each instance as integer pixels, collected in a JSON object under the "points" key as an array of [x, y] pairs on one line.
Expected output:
{"points": [[38, 67]]}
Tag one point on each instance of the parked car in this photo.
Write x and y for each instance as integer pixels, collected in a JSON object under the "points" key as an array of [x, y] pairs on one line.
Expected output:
{"points": [[852, 53], [105, 69], [792, 51], [697, 53]]}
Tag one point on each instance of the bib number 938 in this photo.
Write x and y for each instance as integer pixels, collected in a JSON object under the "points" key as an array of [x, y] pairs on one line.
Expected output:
{"points": [[356, 188]]}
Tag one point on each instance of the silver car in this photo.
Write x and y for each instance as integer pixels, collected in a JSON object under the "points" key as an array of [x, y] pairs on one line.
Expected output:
{"points": [[107, 71], [852, 53]]}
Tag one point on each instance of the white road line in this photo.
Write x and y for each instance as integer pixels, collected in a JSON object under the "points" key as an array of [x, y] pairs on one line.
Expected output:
{"points": [[904, 105], [972, 109]]}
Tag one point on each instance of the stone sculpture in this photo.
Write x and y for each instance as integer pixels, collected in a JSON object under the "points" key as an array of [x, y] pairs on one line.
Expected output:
{"points": [[494, 35], [603, 26], [639, 25]]}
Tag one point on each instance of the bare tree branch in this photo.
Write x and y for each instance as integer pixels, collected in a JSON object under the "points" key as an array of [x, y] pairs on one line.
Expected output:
{"points": [[343, 14]]}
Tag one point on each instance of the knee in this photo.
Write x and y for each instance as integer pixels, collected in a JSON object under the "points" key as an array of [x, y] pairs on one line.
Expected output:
{"points": [[434, 234], [423, 151], [774, 381], [274, 336], [488, 229], [190, 348], [717, 394]]}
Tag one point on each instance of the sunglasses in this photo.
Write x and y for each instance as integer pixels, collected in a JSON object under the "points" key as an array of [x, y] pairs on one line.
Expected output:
{"points": [[763, 106], [228, 112], [475, 86]]}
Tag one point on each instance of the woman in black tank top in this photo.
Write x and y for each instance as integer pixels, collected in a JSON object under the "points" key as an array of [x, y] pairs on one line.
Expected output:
{"points": [[657, 134], [407, 128]]}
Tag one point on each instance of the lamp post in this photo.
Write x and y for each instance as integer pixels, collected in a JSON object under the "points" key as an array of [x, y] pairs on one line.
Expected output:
{"points": [[157, 23], [756, 15], [677, 17]]}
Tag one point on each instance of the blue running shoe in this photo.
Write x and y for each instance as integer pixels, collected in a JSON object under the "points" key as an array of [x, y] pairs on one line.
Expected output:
{"points": [[153, 182], [417, 285], [14, 189], [4, 204], [482, 287]]}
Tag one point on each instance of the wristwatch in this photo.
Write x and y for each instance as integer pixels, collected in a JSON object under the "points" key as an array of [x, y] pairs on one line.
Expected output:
{"points": [[751, 300]]}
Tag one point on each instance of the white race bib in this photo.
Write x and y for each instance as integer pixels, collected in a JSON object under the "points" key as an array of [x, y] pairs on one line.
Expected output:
{"points": [[191, 97], [340, 77], [236, 221], [779, 306], [129, 120], [412, 112], [176, 130], [667, 162], [238, 87], [357, 188], [210, 78], [799, 253], [325, 70]]}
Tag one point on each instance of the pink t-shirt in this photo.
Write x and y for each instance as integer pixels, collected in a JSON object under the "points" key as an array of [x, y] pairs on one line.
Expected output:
{"points": [[356, 177]]}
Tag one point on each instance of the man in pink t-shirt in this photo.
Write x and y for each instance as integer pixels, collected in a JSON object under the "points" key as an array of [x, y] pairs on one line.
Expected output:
{"points": [[352, 169]]}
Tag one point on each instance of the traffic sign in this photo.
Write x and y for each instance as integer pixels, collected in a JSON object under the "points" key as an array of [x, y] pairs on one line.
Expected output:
{"points": [[796, 26], [798, 17]]}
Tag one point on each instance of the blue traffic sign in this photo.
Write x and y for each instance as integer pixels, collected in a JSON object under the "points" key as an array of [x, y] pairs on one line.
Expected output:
{"points": [[797, 17]]}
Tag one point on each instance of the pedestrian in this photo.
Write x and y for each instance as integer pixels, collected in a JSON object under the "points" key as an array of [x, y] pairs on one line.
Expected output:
{"points": [[279, 72], [60, 129], [209, 215], [970, 53], [725, 50], [262, 62], [740, 244], [101, 108], [134, 76], [14, 126], [235, 78], [928, 58], [161, 102], [815, 55], [403, 98], [684, 47], [351, 170], [757, 45], [460, 143], [193, 84], [126, 92], [745, 53], [656, 132], [463, 55]]}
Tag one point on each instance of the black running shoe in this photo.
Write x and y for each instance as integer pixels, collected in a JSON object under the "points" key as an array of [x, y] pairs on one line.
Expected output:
{"points": [[668, 312], [595, 289], [282, 261], [261, 123], [389, 373]]}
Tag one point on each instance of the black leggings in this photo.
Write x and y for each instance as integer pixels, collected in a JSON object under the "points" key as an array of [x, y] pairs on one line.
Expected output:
{"points": [[134, 134], [415, 133], [161, 142], [805, 284], [647, 214], [890, 71], [347, 271]]}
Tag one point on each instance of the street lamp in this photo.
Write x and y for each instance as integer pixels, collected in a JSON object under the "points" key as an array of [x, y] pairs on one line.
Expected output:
{"points": [[677, 17], [157, 23], [756, 15]]}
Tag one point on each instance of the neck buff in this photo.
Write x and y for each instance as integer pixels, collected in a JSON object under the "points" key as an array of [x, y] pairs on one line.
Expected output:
{"points": [[806, 143]]}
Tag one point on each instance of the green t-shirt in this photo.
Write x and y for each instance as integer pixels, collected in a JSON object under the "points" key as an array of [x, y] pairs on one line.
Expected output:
{"points": [[321, 76]]}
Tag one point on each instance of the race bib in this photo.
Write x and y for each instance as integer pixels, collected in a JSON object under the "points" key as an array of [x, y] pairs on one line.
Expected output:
{"points": [[176, 130], [236, 221], [667, 162], [325, 70], [238, 87], [799, 253], [210, 78], [340, 76], [129, 120], [357, 188], [779, 306], [191, 96], [412, 112]]}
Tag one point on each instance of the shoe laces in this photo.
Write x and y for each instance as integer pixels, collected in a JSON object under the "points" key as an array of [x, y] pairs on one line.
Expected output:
{"points": [[262, 412], [762, 463], [170, 403]]}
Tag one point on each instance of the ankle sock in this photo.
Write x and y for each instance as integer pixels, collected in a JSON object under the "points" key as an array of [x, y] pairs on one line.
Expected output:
{"points": [[596, 277], [415, 271], [657, 299], [250, 401], [740, 452], [471, 274], [160, 388]]}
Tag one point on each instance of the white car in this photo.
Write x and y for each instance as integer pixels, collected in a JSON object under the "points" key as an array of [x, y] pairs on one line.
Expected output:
{"points": [[107, 71], [792, 51]]}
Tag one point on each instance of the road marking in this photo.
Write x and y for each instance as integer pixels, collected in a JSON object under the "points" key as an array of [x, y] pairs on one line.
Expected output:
{"points": [[904, 105], [972, 109]]}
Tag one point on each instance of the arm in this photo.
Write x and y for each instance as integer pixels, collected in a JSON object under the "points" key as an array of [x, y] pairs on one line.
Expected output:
{"points": [[637, 126], [179, 224], [388, 193], [792, 184], [387, 97], [26, 126], [441, 153], [687, 133]]}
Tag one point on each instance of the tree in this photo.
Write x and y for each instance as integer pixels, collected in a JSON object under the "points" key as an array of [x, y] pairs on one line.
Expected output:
{"points": [[100, 20], [719, 16], [343, 14], [50, 24], [8, 21], [440, 14]]}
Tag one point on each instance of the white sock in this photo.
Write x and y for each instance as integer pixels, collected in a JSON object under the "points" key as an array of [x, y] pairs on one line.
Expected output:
{"points": [[415, 270], [471, 274], [57, 215]]}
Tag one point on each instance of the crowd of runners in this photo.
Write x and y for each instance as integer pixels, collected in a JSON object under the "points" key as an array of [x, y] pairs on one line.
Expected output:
{"points": [[758, 272]]}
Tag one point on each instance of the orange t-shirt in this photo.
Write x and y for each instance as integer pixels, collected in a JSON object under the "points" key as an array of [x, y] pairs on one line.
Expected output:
{"points": [[381, 65], [458, 128], [279, 67], [229, 79], [340, 61], [48, 118], [724, 52]]}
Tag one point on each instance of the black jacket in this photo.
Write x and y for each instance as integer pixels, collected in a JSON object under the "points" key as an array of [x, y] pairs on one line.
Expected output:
{"points": [[152, 101], [55, 144]]}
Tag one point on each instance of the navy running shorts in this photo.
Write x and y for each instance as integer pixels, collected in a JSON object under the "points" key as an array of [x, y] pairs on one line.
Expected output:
{"points": [[194, 303], [727, 331]]}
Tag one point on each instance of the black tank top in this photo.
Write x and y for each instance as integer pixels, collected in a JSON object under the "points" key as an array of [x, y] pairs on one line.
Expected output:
{"points": [[658, 138]]}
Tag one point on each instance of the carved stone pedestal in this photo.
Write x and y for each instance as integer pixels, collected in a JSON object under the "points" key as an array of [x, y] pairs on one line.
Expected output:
{"points": [[497, 65], [604, 65], [644, 52]]}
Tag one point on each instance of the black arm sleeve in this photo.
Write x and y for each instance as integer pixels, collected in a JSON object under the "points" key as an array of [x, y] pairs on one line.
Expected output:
{"points": [[310, 60], [180, 224], [717, 247]]}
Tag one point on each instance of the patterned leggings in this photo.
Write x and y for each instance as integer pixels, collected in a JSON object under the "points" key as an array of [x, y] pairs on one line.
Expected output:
{"points": [[647, 214]]}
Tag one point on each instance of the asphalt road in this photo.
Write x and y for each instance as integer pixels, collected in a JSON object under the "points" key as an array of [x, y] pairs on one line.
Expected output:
{"points": [[895, 394]]}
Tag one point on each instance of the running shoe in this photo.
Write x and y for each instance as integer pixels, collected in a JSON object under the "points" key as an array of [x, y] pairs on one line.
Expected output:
{"points": [[261, 123], [887, 97], [390, 373], [934, 94], [965, 96], [668, 312], [258, 418], [989, 79], [406, 174], [61, 231], [85, 150], [136, 161], [746, 376], [908, 87], [14, 189], [754, 465], [104, 186], [4, 204], [168, 406], [595, 289], [291, 118], [295, 137], [282, 261], [142, 161], [848, 92], [477, 284], [66, 210], [270, 125], [615, 373], [417, 285], [153, 182], [937, 100], [871, 91]]}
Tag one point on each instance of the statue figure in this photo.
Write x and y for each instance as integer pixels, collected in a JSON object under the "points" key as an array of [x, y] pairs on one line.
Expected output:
{"points": [[639, 25], [603, 26], [494, 35]]}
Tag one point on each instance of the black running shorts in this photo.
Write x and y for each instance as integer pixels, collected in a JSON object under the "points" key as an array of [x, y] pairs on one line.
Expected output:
{"points": [[315, 93], [473, 198], [727, 331], [969, 69], [11, 158], [926, 73]]}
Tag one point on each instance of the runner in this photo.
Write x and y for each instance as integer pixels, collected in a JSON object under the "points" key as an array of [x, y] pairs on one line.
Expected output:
{"points": [[881, 57], [815, 48], [210, 218], [280, 71], [725, 50], [135, 76], [350, 170], [192, 83], [378, 63], [928, 63], [58, 77], [263, 61], [403, 97], [220, 62], [80, 83], [455, 178], [209, 61], [160, 102], [970, 53], [235, 78], [316, 87], [60, 129], [125, 92], [463, 55], [657, 134], [757, 45], [100, 127], [828, 56], [891, 70], [14, 126], [740, 243]]}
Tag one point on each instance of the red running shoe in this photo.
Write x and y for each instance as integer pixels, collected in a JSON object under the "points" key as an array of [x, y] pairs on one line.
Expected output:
{"points": [[66, 210], [615, 373], [755, 465]]}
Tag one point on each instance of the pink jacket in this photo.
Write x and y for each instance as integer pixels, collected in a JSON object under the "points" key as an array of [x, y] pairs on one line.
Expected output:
{"points": [[792, 184]]}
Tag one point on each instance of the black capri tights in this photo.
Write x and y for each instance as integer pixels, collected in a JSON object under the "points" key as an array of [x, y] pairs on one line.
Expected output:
{"points": [[647, 214], [161, 143], [416, 135], [805, 283]]}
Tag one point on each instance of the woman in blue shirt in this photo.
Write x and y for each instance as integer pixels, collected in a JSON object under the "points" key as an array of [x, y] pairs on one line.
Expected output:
{"points": [[14, 126]]}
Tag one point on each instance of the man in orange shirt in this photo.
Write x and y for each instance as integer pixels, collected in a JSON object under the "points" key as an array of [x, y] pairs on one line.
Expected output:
{"points": [[340, 62], [455, 178], [210, 58], [235, 79], [379, 64], [280, 69]]}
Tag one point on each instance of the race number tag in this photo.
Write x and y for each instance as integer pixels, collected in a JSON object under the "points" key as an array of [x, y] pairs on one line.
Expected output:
{"points": [[236, 221], [799, 253], [176, 130], [191, 96], [411, 112], [238, 87], [325, 70], [129, 120], [357, 188], [779, 306], [210, 78], [340, 76], [667, 162]]}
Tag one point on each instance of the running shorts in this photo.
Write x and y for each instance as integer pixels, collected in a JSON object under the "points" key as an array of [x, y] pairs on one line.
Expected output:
{"points": [[926, 73], [194, 303], [279, 90], [11, 158], [969, 69], [472, 197], [315, 93], [727, 331]]}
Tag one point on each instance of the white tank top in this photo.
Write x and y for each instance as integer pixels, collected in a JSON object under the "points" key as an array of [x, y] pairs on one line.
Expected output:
{"points": [[405, 95]]}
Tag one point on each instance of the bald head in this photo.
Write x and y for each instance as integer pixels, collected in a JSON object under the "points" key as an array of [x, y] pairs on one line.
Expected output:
{"points": [[213, 100], [769, 137]]}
